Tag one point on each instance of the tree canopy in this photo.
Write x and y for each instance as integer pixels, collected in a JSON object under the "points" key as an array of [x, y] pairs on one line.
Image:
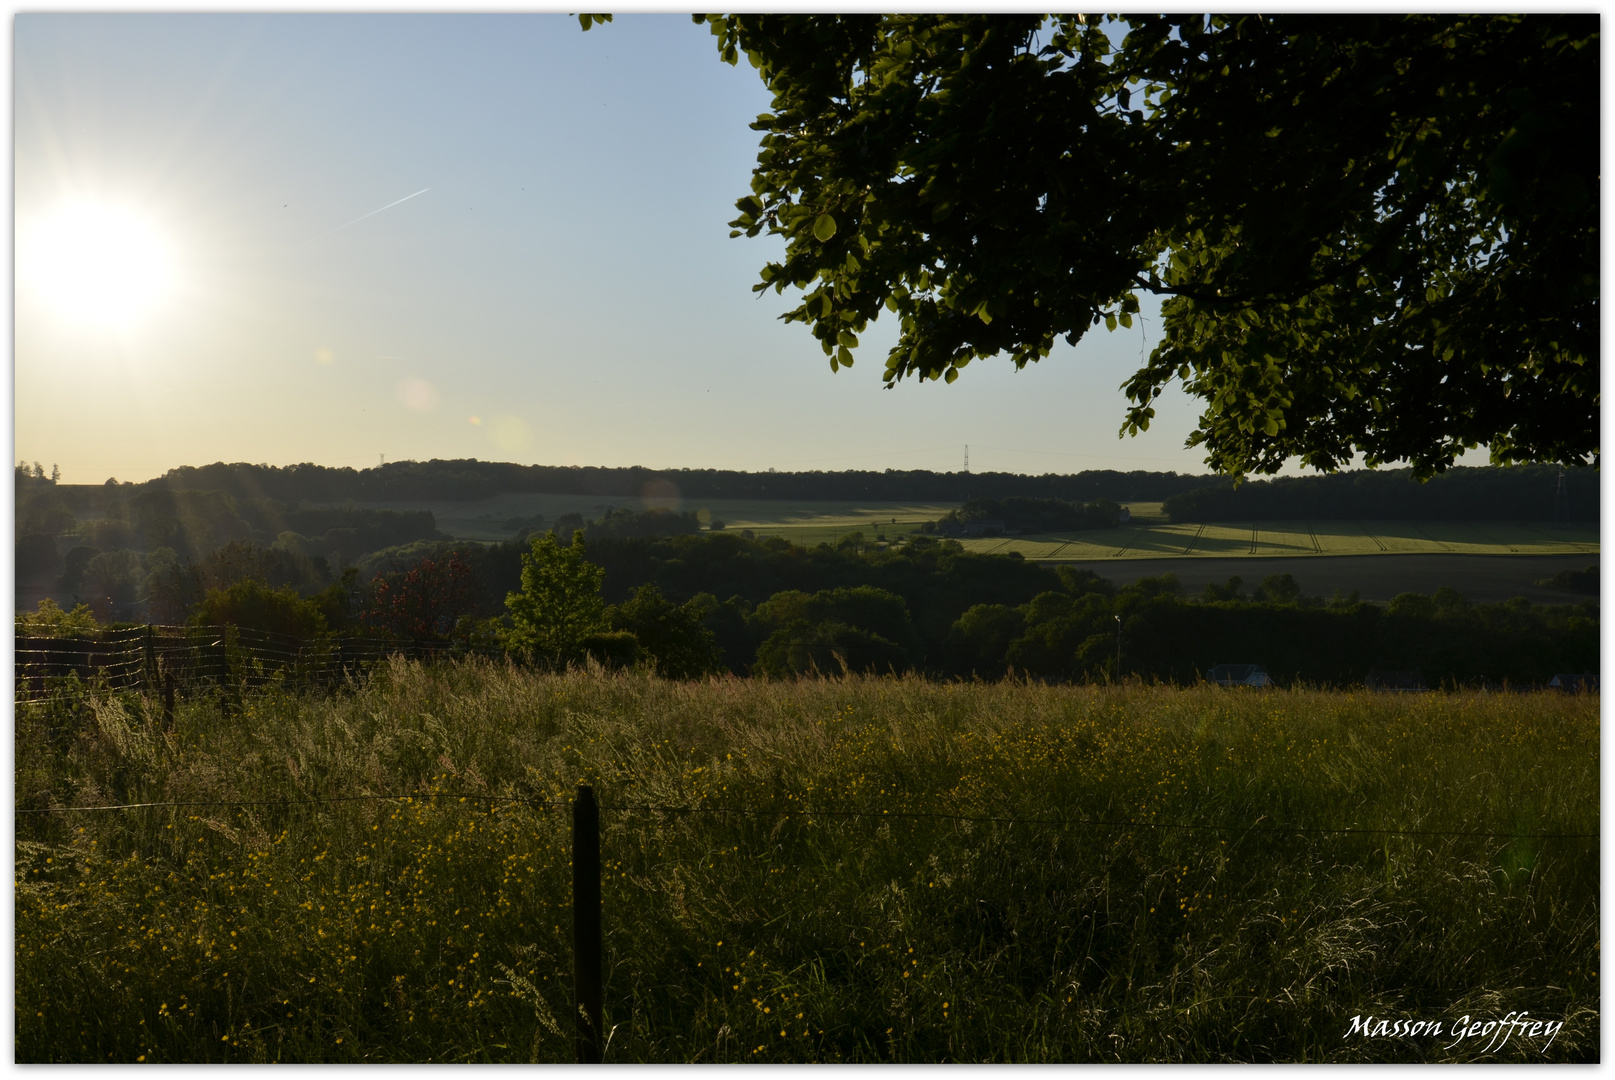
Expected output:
{"points": [[1372, 234], [559, 606]]}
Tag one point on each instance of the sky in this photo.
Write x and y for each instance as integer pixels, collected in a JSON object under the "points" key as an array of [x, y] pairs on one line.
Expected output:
{"points": [[349, 238]]}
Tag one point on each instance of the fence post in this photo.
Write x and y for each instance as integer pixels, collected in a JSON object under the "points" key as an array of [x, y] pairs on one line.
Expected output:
{"points": [[150, 674], [168, 700], [586, 980]]}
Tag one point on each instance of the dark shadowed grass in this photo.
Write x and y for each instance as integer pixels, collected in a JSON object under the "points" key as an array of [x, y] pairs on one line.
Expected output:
{"points": [[1093, 925]]}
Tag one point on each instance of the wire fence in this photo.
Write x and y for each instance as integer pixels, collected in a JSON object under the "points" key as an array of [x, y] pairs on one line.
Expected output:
{"points": [[544, 804], [196, 657], [230, 658], [587, 907]]}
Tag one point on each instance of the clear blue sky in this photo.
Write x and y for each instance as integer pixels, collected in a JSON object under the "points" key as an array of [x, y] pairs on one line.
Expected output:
{"points": [[564, 291]]}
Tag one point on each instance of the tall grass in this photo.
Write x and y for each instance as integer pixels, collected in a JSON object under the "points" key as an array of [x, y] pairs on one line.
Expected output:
{"points": [[437, 929]]}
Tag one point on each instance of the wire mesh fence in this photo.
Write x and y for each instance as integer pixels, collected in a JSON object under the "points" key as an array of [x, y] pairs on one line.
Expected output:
{"points": [[192, 658]]}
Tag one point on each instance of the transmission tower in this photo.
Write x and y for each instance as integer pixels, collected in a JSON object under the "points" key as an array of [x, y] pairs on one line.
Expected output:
{"points": [[967, 458], [1561, 501]]}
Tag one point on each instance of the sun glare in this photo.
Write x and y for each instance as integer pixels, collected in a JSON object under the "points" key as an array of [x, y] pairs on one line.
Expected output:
{"points": [[98, 264]]}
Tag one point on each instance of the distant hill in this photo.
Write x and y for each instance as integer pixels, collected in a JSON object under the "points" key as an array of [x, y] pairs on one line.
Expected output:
{"points": [[1516, 493], [469, 479]]}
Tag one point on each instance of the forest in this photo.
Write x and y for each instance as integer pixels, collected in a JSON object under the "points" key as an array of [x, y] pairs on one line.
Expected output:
{"points": [[710, 603], [1520, 493], [697, 601], [470, 479], [1528, 492]]}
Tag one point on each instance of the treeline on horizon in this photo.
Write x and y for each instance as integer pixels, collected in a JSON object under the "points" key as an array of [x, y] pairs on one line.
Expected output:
{"points": [[188, 524], [469, 480], [1524, 492], [1516, 493]]}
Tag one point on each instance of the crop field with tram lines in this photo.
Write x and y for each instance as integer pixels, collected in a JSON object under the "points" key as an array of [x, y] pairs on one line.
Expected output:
{"points": [[800, 522], [1486, 561], [1147, 536], [1151, 539]]}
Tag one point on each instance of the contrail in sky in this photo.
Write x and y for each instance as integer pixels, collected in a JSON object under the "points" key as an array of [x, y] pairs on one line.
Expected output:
{"points": [[372, 213]]}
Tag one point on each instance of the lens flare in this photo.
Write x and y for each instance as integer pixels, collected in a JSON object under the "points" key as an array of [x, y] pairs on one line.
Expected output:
{"points": [[509, 433], [418, 394], [97, 264]]}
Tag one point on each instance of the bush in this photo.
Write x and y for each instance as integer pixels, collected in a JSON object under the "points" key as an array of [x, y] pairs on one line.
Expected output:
{"points": [[422, 603], [74, 564], [1578, 581], [114, 575], [1411, 605], [622, 523], [1278, 589], [253, 605], [865, 629], [1027, 515], [674, 635], [49, 620], [37, 558], [980, 639], [612, 649]]}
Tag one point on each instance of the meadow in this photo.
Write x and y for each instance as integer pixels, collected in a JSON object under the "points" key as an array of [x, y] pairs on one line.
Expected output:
{"points": [[924, 871], [1156, 539], [800, 521], [1149, 536]]}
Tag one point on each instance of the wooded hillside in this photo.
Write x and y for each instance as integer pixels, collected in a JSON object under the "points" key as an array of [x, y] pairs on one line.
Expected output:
{"points": [[1518, 493]]}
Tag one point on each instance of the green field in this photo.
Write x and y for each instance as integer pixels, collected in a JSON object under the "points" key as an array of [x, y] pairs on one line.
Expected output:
{"points": [[1276, 539], [924, 872], [800, 522], [1148, 536]]}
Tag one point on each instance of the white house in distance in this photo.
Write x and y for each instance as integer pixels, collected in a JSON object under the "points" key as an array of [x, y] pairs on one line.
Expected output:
{"points": [[1238, 675]]}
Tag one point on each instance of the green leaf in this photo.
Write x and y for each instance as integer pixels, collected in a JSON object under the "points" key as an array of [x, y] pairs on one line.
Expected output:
{"points": [[845, 356], [1301, 286]]}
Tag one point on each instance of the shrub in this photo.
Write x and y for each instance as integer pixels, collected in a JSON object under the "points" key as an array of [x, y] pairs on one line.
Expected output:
{"points": [[49, 620], [255, 606], [674, 635], [422, 603]]}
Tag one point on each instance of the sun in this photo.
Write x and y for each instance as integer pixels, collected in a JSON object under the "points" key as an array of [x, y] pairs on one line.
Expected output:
{"points": [[98, 264]]}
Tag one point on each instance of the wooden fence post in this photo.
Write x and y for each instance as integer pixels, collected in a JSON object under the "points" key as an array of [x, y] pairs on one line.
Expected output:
{"points": [[168, 700], [150, 659], [587, 991]]}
